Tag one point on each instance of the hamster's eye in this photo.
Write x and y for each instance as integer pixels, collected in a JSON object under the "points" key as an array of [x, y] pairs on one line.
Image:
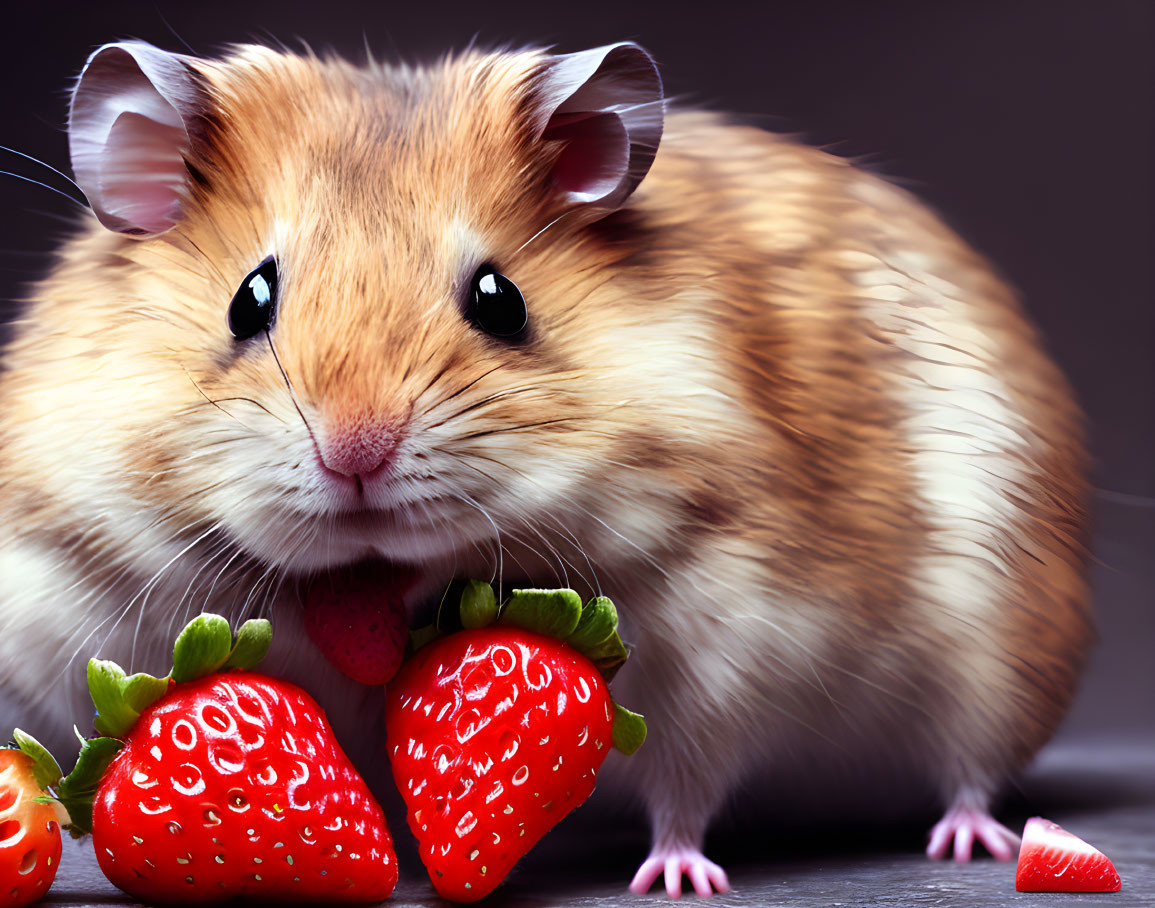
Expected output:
{"points": [[496, 306], [251, 310]]}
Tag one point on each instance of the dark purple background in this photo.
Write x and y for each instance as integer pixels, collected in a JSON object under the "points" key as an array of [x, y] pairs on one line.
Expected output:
{"points": [[1027, 123]]}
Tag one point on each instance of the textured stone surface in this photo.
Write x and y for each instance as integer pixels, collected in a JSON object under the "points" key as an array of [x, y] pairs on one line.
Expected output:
{"points": [[1102, 791]]}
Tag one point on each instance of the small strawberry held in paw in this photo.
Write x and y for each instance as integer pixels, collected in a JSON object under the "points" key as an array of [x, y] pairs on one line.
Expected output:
{"points": [[1053, 860], [227, 783], [356, 617], [496, 732], [29, 822]]}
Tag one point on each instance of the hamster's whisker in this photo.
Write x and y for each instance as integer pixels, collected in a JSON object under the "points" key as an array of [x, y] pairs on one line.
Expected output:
{"points": [[188, 598], [439, 522], [59, 173], [504, 430], [212, 586], [154, 581], [561, 573], [170, 240], [486, 401], [593, 582], [461, 496], [412, 362], [269, 570], [101, 590], [9, 173], [647, 557], [543, 230], [273, 590], [292, 393], [215, 403], [461, 390]]}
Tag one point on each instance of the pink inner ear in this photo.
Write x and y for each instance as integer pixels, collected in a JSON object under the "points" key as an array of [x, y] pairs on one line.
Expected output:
{"points": [[596, 156], [143, 172]]}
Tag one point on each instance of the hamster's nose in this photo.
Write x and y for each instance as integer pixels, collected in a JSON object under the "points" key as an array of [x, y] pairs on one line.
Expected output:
{"points": [[358, 450]]}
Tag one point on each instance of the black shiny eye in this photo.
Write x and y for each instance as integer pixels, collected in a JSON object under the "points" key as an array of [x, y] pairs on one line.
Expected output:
{"points": [[252, 308], [496, 306]]}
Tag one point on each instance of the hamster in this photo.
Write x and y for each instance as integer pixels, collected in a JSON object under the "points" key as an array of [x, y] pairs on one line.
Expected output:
{"points": [[511, 315]]}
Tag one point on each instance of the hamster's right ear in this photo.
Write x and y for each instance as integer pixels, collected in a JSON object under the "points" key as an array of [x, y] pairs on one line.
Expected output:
{"points": [[605, 108], [129, 128]]}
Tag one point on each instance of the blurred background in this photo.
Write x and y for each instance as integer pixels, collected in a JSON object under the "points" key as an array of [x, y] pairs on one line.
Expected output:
{"points": [[1026, 123]]}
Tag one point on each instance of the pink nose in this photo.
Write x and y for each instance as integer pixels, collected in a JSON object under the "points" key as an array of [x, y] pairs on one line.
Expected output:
{"points": [[358, 452]]}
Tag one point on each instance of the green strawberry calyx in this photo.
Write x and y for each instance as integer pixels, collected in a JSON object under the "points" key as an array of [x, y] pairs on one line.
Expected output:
{"points": [[591, 629], [206, 645]]}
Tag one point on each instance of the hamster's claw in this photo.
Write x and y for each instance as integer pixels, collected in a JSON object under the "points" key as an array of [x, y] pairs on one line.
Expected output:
{"points": [[962, 825], [705, 876]]}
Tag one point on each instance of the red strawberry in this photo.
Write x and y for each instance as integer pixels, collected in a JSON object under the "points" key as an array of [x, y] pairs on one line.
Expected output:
{"points": [[29, 828], [1053, 860], [229, 783], [495, 733], [356, 617]]}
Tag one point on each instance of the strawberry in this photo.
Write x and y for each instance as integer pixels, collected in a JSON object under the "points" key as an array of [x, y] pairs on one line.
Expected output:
{"points": [[356, 617], [29, 823], [227, 783], [1053, 860], [496, 732]]}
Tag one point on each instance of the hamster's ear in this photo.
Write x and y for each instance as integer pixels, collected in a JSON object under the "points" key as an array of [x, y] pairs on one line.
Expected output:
{"points": [[606, 104], [128, 132]]}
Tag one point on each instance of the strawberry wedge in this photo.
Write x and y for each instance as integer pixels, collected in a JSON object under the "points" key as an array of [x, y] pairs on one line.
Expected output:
{"points": [[1053, 860]]}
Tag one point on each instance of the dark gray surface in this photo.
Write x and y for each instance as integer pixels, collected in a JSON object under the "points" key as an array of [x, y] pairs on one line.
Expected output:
{"points": [[1103, 792]]}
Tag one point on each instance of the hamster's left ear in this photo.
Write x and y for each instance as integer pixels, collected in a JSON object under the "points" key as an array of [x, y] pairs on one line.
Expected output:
{"points": [[607, 106], [129, 125]]}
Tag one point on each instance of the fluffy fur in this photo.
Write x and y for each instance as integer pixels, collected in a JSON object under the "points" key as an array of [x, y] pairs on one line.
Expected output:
{"points": [[773, 407]]}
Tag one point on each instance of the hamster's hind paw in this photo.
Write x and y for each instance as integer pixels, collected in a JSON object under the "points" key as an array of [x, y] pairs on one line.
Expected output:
{"points": [[962, 825], [705, 876]]}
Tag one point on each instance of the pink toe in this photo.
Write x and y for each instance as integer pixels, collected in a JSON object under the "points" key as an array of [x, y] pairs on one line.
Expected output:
{"points": [[964, 839], [674, 877], [718, 877], [940, 838], [701, 883], [646, 876], [999, 841]]}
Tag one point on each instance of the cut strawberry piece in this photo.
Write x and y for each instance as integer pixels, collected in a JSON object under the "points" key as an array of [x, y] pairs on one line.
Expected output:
{"points": [[356, 617], [1053, 860]]}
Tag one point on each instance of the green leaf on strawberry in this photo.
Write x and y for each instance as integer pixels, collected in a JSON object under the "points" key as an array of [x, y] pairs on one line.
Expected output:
{"points": [[629, 730], [120, 698], [554, 613], [253, 641], [45, 769], [478, 605], [598, 623], [77, 790], [201, 648]]}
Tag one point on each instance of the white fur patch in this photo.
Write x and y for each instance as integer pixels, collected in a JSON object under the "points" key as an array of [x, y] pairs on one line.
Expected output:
{"points": [[969, 447]]}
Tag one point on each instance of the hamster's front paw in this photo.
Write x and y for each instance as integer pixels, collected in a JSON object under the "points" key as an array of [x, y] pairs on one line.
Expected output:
{"points": [[964, 822], [674, 862]]}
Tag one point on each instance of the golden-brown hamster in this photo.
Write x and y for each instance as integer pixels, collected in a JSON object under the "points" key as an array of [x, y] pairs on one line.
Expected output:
{"points": [[468, 317]]}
